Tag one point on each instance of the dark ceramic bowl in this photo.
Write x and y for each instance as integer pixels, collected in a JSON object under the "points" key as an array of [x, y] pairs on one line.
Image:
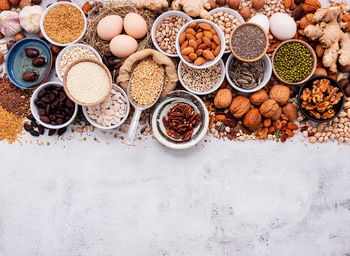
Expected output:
{"points": [[18, 63], [337, 108]]}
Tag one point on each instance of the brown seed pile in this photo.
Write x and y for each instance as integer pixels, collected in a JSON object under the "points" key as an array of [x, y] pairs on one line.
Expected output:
{"points": [[64, 23], [13, 99], [10, 126]]}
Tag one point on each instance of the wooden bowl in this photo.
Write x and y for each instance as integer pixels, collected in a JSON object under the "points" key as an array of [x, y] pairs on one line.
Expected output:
{"points": [[262, 53], [77, 101], [313, 57]]}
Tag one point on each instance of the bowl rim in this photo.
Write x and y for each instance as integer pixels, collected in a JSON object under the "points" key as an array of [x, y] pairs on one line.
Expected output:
{"points": [[34, 109], [44, 78], [311, 50], [190, 143], [159, 20], [66, 88], [222, 44], [213, 89], [266, 38], [257, 88], [99, 126], [231, 11], [59, 56], [42, 27], [307, 114]]}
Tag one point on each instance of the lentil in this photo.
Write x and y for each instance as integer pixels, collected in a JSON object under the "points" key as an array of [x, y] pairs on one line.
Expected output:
{"points": [[201, 80], [64, 23], [74, 54], [147, 81], [10, 126], [293, 62]]}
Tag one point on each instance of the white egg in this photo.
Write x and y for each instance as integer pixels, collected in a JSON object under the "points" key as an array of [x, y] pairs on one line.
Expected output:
{"points": [[282, 26], [261, 20]]}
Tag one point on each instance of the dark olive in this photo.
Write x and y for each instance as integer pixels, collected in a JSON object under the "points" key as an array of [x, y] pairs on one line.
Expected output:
{"points": [[39, 61], [30, 76], [31, 52]]}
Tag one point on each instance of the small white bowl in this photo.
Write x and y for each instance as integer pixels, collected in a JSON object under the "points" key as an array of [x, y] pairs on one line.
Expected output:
{"points": [[213, 89], [159, 20], [221, 36], [59, 56], [267, 75], [229, 11], [42, 28], [34, 108], [97, 125]]}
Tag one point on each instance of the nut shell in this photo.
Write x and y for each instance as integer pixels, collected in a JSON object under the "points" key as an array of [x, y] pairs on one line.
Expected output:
{"points": [[280, 93], [259, 97], [223, 98], [277, 115], [290, 111], [252, 119], [269, 108], [239, 106]]}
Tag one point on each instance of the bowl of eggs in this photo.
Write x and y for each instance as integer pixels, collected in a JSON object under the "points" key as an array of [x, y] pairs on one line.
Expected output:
{"points": [[111, 28]]}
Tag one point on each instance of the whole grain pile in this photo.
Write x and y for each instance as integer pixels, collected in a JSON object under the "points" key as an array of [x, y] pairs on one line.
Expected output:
{"points": [[10, 126]]}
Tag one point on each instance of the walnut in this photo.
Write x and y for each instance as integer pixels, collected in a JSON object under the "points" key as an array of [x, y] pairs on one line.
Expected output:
{"points": [[310, 6], [280, 93], [269, 108], [277, 115], [239, 106], [252, 119], [290, 111], [306, 21], [259, 97], [223, 98]]}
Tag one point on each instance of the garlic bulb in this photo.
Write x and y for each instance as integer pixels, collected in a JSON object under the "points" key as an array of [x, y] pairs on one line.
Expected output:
{"points": [[9, 23], [30, 18]]}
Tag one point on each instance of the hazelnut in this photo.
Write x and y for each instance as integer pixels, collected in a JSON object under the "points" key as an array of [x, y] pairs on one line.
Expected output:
{"points": [[221, 2], [10, 44], [55, 49], [269, 108], [19, 36], [259, 97], [252, 119], [298, 13], [245, 12], [223, 98], [258, 4], [212, 3], [344, 69], [347, 91], [280, 93], [343, 83], [320, 72], [290, 111], [24, 3], [319, 50], [239, 106], [1, 58], [277, 115], [233, 4]]}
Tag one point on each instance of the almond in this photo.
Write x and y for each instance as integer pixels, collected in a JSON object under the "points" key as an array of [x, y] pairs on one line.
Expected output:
{"points": [[193, 24], [204, 26], [199, 52], [202, 46], [199, 41], [191, 31], [217, 50], [192, 43], [190, 36], [208, 55], [208, 35], [213, 31], [220, 117], [289, 133], [184, 45], [187, 51], [292, 126], [206, 40], [200, 61], [216, 39], [192, 56], [187, 58], [199, 35], [213, 46], [182, 38]]}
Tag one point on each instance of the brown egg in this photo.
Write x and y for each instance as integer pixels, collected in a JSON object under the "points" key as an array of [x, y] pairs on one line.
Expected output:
{"points": [[221, 2], [233, 4]]}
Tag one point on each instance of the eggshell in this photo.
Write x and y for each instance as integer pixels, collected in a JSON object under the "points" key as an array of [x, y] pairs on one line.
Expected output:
{"points": [[261, 20], [109, 27], [135, 25], [282, 26], [123, 46]]}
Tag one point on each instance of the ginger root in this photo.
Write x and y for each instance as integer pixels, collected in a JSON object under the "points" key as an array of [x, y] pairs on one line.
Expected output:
{"points": [[328, 30], [154, 5], [193, 8]]}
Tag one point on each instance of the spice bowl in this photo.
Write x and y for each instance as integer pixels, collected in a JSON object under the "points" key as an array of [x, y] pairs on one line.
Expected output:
{"points": [[209, 61], [42, 26], [261, 49], [221, 76], [313, 55], [17, 63], [163, 107], [70, 47], [123, 119], [308, 85], [267, 75], [158, 21], [48, 107]]}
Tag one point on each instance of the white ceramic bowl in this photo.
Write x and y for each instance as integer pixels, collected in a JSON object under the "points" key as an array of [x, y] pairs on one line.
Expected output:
{"points": [[230, 11], [35, 113], [64, 50], [213, 89], [209, 63], [42, 28], [97, 125], [159, 20], [267, 75]]}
